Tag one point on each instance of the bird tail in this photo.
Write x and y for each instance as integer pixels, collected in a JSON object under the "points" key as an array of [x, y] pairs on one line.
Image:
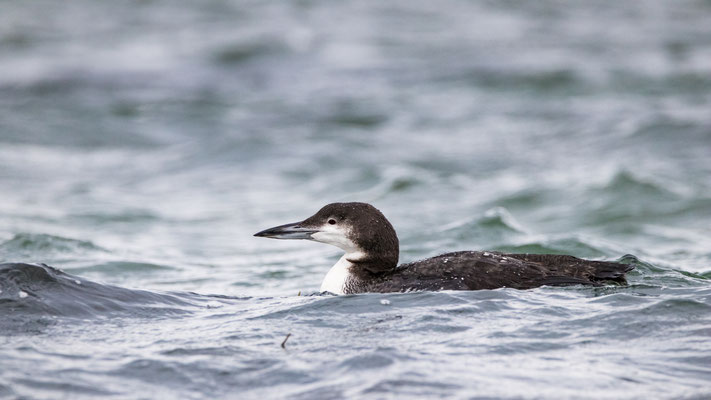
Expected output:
{"points": [[606, 271]]}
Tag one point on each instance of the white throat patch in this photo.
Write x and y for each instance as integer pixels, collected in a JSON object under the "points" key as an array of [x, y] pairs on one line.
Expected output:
{"points": [[335, 236]]}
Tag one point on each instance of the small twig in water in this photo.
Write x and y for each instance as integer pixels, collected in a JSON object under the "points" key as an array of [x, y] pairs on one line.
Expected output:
{"points": [[283, 344]]}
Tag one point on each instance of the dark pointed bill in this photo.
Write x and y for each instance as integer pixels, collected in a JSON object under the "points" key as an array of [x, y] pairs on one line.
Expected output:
{"points": [[287, 231]]}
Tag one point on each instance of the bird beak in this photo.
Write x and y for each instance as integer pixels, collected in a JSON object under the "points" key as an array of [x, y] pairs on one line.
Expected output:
{"points": [[288, 231]]}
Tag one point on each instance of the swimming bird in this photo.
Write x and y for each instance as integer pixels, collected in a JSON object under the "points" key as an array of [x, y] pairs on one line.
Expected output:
{"points": [[372, 250]]}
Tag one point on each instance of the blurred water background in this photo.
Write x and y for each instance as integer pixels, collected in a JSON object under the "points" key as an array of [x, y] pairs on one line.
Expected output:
{"points": [[142, 143]]}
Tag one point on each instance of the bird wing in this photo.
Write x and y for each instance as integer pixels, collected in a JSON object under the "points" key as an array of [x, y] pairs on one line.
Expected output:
{"points": [[474, 270]]}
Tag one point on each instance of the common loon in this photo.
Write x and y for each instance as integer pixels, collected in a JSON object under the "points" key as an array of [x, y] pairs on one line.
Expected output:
{"points": [[372, 251]]}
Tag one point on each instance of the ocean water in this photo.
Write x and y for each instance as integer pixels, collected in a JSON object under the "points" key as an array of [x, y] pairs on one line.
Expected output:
{"points": [[142, 143]]}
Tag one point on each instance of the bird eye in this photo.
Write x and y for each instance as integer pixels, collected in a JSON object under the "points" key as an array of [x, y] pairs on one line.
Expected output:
{"points": [[332, 221]]}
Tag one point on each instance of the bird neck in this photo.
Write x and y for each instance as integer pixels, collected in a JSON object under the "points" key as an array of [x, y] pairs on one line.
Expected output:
{"points": [[338, 277], [355, 269]]}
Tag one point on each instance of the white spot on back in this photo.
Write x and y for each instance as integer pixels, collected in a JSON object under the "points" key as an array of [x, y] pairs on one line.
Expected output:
{"points": [[22, 294]]}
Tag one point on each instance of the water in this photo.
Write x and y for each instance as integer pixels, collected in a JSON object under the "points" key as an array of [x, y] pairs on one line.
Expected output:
{"points": [[142, 143]]}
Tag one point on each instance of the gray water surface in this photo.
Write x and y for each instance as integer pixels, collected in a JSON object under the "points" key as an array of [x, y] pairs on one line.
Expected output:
{"points": [[142, 143]]}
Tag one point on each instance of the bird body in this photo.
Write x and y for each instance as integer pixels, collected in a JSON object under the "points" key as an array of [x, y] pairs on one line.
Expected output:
{"points": [[371, 255], [475, 270]]}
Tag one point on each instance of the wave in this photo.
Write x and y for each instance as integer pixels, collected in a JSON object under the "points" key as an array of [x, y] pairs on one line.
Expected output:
{"points": [[121, 267], [31, 241], [496, 224], [41, 289], [625, 183], [646, 273], [42, 245], [33, 296], [580, 247], [627, 197]]}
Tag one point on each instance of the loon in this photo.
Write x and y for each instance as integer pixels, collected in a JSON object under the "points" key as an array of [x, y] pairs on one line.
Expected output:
{"points": [[372, 250]]}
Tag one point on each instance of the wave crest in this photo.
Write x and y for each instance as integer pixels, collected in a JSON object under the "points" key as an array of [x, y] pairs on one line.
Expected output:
{"points": [[38, 289]]}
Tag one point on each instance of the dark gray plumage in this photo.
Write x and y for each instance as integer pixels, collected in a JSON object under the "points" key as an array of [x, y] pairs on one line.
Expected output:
{"points": [[372, 249], [474, 270]]}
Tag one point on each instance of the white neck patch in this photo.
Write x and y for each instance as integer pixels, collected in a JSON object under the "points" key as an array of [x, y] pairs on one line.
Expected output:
{"points": [[337, 276]]}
